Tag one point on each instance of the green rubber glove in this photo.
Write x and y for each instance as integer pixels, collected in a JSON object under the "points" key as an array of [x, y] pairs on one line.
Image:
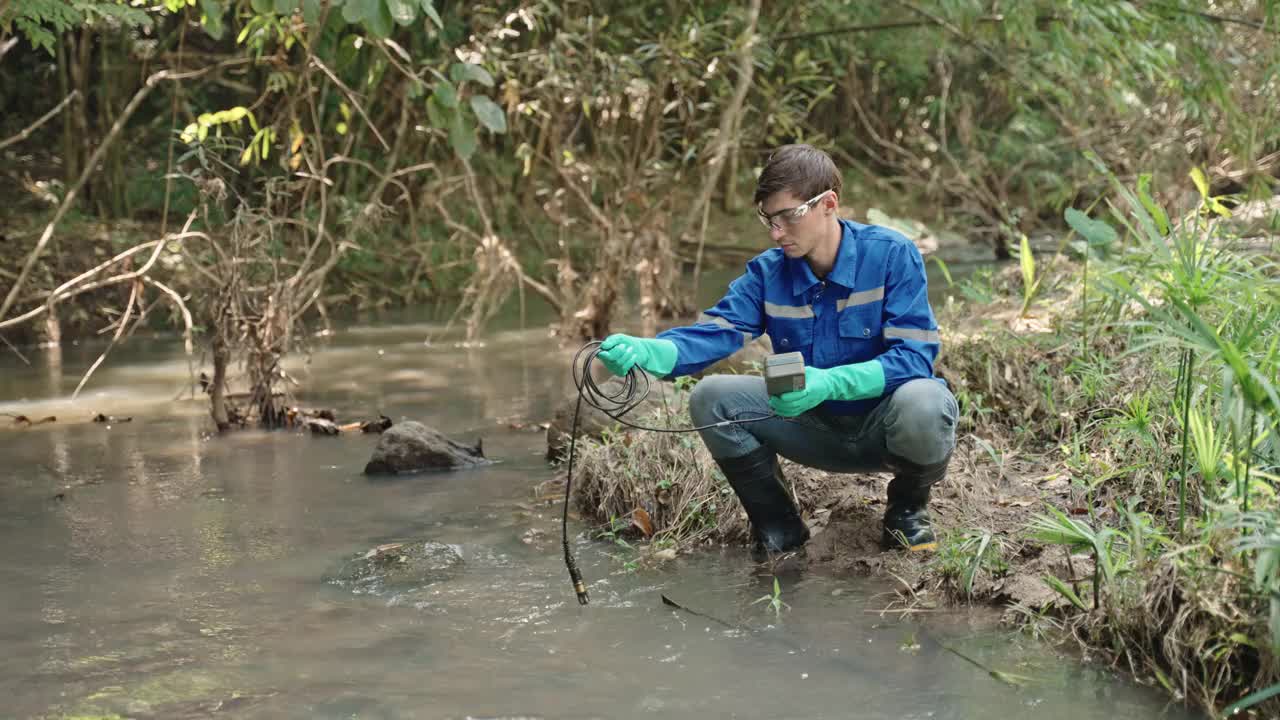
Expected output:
{"points": [[844, 382], [620, 353]]}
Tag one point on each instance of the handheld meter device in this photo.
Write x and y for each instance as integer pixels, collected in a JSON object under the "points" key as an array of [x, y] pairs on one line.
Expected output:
{"points": [[784, 373]]}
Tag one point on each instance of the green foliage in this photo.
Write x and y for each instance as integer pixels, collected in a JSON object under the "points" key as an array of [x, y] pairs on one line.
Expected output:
{"points": [[41, 21], [1030, 283], [966, 555], [773, 599]]}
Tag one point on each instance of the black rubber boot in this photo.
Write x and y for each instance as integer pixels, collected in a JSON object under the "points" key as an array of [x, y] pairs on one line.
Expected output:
{"points": [[758, 482], [906, 520]]}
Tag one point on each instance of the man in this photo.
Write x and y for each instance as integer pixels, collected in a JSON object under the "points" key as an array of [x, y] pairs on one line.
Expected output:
{"points": [[852, 299]]}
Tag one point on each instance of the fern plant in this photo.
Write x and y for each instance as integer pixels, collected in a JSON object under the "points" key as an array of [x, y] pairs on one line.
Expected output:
{"points": [[41, 21]]}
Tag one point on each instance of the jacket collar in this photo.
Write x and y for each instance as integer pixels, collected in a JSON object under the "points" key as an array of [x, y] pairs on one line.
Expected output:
{"points": [[842, 273]]}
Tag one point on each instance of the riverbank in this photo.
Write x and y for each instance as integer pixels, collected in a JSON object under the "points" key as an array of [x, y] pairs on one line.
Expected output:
{"points": [[1086, 497]]}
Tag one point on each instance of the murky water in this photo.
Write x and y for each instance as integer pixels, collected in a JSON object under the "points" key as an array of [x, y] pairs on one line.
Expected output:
{"points": [[182, 575]]}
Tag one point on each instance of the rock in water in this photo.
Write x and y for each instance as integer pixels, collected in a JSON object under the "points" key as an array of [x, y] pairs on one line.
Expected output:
{"points": [[413, 447], [399, 567]]}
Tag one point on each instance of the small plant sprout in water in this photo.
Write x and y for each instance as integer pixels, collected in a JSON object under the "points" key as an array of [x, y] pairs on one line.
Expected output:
{"points": [[774, 599]]}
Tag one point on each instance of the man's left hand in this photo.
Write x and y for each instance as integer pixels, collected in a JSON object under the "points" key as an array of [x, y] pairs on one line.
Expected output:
{"points": [[817, 390], [858, 381]]}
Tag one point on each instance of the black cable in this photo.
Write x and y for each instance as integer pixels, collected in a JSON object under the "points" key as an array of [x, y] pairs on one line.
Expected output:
{"points": [[633, 392]]}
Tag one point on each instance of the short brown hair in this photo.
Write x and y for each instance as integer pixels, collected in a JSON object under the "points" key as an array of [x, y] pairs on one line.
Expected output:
{"points": [[802, 170]]}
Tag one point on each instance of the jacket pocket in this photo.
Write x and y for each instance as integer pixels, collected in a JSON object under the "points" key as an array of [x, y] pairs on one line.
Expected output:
{"points": [[791, 335], [860, 332]]}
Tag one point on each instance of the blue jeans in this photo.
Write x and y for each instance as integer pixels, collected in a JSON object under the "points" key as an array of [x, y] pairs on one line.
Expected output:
{"points": [[917, 423]]}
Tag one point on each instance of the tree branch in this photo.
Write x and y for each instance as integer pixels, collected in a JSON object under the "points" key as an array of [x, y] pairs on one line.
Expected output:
{"points": [[352, 97], [876, 27], [746, 71], [124, 322], [65, 290], [92, 164], [43, 119]]}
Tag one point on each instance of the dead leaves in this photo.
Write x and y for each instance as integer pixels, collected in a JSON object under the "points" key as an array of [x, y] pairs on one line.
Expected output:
{"points": [[640, 518]]}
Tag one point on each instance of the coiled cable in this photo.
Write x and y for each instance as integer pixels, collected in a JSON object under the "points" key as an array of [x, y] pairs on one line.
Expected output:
{"points": [[632, 393]]}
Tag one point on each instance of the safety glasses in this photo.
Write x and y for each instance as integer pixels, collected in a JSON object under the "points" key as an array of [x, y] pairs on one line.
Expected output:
{"points": [[789, 216]]}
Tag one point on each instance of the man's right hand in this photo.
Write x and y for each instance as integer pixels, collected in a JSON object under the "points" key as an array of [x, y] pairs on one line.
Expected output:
{"points": [[620, 353]]}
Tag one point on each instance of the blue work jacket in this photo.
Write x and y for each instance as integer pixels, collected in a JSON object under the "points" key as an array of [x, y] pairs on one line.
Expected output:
{"points": [[873, 305]]}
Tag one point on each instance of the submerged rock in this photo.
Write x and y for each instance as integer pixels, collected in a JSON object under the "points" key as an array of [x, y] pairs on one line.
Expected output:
{"points": [[413, 447], [399, 567]]}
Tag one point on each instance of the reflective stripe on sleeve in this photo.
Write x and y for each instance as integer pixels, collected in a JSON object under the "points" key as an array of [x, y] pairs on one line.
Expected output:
{"points": [[912, 334], [721, 322]]}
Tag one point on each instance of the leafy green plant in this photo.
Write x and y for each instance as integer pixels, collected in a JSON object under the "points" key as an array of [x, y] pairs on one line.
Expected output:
{"points": [[1030, 283], [1260, 536], [1251, 700], [41, 21], [966, 555], [1057, 528], [1209, 451], [1097, 235], [774, 599]]}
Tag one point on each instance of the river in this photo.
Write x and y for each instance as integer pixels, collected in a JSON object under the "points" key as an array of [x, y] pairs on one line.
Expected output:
{"points": [[151, 569]]}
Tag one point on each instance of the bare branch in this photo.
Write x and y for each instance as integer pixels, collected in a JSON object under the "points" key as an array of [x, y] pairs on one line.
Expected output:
{"points": [[92, 164], [72, 287], [729, 120], [182, 306], [43, 119], [352, 97], [124, 322], [15, 350]]}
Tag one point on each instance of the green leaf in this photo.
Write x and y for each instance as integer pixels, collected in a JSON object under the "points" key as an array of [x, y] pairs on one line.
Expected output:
{"points": [[462, 72], [244, 32], [311, 11], [380, 23], [211, 18], [437, 114], [286, 7], [262, 7], [491, 115], [1157, 212], [462, 136], [1065, 591], [357, 11], [445, 94], [1028, 263], [402, 11], [1202, 183], [1097, 233], [429, 8], [348, 51], [1251, 700]]}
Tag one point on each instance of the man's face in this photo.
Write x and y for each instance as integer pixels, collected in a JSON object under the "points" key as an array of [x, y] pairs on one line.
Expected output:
{"points": [[798, 236]]}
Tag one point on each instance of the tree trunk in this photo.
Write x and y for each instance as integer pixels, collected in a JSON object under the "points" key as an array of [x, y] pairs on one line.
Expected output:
{"points": [[218, 387], [70, 151]]}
